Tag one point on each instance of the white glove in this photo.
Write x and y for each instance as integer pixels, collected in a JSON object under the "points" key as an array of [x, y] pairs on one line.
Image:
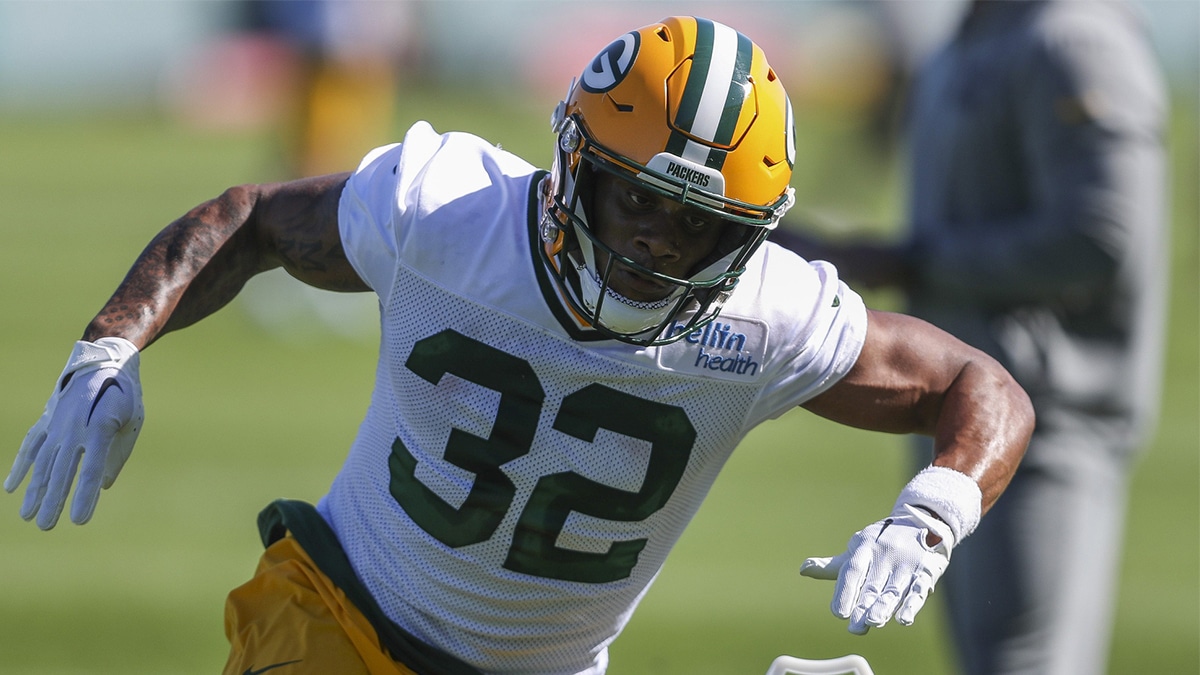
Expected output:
{"points": [[887, 569], [90, 424]]}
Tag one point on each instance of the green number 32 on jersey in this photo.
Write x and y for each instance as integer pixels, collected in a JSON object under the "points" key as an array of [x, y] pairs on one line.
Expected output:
{"points": [[582, 413]]}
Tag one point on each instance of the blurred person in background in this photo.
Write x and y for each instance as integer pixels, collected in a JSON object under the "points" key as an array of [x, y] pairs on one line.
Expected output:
{"points": [[346, 58], [1037, 232], [564, 369], [334, 67]]}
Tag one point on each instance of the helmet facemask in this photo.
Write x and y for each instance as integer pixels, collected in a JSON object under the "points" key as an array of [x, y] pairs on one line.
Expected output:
{"points": [[570, 239]]}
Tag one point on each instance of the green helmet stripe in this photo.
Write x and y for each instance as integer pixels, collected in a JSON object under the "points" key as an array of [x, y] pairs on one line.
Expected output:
{"points": [[713, 96], [739, 88], [694, 89]]}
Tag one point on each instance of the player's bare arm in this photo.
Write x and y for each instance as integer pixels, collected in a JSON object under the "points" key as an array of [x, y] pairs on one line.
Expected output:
{"points": [[200, 262], [195, 266], [912, 377]]}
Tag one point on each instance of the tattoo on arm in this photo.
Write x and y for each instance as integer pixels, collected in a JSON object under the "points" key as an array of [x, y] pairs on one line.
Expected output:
{"points": [[320, 263], [303, 235], [201, 261]]}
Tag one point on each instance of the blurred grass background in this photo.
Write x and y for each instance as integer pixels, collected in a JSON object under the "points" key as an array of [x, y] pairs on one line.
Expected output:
{"points": [[238, 415]]}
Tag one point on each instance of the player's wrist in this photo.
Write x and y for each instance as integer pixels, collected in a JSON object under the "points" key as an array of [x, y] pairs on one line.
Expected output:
{"points": [[118, 347], [952, 497], [115, 351]]}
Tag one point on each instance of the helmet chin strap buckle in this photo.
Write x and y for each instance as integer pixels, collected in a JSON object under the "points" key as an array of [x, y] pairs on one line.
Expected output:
{"points": [[569, 137], [548, 228]]}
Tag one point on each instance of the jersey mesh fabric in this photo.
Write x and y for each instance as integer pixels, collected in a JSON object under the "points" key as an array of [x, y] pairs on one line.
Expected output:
{"points": [[512, 493], [462, 599]]}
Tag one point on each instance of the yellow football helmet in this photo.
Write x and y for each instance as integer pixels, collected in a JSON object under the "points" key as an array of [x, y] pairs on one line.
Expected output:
{"points": [[690, 109]]}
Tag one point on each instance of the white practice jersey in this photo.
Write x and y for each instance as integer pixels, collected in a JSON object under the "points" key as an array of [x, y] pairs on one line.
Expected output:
{"points": [[518, 482]]}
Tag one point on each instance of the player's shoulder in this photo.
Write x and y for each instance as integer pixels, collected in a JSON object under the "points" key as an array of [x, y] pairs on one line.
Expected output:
{"points": [[455, 173], [448, 162], [423, 146], [779, 275], [789, 293]]}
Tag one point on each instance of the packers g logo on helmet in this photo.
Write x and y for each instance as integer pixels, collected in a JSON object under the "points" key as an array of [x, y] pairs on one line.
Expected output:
{"points": [[611, 65], [690, 109]]}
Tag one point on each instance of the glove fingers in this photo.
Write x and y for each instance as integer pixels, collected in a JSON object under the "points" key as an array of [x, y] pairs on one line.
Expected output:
{"points": [[914, 600], [110, 434], [26, 455], [875, 601], [61, 477], [87, 492], [119, 451], [90, 423], [38, 480], [881, 611], [887, 572], [858, 622], [822, 568], [851, 582]]}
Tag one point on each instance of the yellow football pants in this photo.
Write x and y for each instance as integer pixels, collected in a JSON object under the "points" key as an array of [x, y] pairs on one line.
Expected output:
{"points": [[291, 619]]}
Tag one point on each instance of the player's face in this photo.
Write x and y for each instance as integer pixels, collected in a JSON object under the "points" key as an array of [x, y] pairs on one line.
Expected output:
{"points": [[658, 233]]}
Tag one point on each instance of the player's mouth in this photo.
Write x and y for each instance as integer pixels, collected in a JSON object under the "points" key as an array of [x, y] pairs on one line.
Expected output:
{"points": [[638, 287]]}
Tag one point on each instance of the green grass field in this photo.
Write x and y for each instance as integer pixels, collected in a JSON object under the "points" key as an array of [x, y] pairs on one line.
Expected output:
{"points": [[237, 416]]}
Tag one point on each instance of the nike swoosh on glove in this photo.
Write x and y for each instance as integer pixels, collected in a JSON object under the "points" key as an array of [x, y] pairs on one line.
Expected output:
{"points": [[887, 570], [89, 425]]}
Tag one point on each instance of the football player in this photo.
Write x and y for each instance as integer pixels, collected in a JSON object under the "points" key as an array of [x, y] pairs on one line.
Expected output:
{"points": [[567, 360]]}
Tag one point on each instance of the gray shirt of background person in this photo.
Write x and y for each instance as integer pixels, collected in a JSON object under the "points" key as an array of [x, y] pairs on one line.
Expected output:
{"points": [[1037, 216]]}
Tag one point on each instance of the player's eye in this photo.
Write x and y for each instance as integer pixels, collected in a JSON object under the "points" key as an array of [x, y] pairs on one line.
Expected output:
{"points": [[639, 199], [697, 223]]}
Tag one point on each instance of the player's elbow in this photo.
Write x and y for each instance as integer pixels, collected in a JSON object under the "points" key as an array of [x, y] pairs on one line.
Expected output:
{"points": [[1008, 402]]}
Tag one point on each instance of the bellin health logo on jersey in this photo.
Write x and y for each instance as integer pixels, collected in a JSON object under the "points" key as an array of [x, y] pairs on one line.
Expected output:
{"points": [[722, 349]]}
